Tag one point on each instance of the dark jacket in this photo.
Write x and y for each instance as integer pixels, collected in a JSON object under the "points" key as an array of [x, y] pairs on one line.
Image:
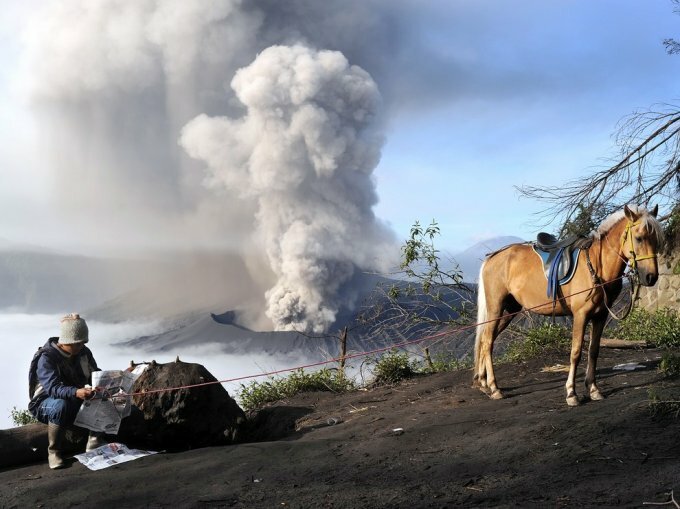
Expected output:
{"points": [[59, 375]]}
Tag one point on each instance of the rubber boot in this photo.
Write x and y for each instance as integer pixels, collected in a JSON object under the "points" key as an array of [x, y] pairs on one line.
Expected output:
{"points": [[55, 439], [95, 440]]}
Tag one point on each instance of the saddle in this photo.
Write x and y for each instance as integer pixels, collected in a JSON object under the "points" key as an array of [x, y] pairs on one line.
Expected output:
{"points": [[547, 242], [559, 258]]}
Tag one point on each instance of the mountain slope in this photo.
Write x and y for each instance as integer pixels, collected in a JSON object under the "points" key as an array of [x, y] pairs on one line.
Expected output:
{"points": [[470, 260]]}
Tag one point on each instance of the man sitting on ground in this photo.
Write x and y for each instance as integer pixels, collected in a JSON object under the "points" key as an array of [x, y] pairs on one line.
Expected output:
{"points": [[64, 371]]}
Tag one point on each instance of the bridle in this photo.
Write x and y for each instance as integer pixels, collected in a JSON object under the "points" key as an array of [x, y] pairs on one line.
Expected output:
{"points": [[632, 261], [633, 273]]}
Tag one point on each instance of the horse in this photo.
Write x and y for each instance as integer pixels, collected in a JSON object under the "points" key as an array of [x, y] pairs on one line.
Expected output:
{"points": [[512, 279]]}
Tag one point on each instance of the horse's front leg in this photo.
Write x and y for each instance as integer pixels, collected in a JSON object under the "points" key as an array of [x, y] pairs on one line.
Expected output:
{"points": [[593, 351], [576, 344]]}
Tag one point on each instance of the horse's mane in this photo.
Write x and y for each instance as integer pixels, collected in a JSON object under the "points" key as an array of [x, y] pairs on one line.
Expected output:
{"points": [[648, 221]]}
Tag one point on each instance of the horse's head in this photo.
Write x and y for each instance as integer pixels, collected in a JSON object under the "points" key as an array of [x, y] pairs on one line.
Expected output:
{"points": [[640, 242]]}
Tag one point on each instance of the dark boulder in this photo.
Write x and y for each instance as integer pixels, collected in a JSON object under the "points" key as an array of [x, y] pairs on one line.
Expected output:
{"points": [[184, 418]]}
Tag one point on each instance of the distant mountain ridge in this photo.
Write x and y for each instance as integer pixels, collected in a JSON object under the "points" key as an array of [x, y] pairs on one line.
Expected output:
{"points": [[113, 289], [37, 280], [44, 282], [470, 260]]}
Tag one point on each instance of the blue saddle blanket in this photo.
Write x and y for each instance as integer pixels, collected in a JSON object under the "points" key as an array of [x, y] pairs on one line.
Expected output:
{"points": [[558, 267]]}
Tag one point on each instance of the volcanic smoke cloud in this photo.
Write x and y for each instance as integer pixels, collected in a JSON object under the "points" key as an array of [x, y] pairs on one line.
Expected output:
{"points": [[304, 150], [278, 136]]}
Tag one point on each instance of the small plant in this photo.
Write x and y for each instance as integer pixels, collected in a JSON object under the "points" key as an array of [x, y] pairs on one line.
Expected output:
{"points": [[21, 417], [662, 327], [442, 363], [393, 367], [670, 365], [538, 340], [661, 405], [425, 293], [257, 394]]}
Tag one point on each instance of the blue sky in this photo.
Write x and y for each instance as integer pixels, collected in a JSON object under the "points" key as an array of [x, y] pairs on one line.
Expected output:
{"points": [[550, 82], [480, 97]]}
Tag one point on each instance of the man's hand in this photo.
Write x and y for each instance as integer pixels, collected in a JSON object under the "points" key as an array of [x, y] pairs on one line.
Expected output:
{"points": [[85, 393]]}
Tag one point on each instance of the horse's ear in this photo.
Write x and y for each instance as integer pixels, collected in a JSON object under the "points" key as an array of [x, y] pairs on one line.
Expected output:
{"points": [[630, 214], [655, 210]]}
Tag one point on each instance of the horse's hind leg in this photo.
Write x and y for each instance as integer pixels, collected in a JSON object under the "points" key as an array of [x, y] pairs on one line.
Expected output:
{"points": [[480, 376], [593, 351], [485, 373], [510, 309], [479, 368]]}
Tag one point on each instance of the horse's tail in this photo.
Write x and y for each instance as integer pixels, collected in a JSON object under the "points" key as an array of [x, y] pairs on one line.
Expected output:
{"points": [[482, 313]]}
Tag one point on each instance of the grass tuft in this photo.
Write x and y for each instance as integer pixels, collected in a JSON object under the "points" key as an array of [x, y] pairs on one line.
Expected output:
{"points": [[539, 340], [670, 365], [661, 327], [393, 367], [258, 394]]}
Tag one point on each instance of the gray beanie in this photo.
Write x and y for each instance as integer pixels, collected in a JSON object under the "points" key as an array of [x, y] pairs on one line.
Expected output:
{"points": [[73, 330]]}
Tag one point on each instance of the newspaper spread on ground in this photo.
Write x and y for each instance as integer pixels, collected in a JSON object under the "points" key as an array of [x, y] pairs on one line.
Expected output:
{"points": [[111, 404], [109, 455]]}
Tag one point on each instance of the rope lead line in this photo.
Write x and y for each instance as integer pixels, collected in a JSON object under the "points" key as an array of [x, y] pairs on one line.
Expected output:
{"points": [[365, 353]]}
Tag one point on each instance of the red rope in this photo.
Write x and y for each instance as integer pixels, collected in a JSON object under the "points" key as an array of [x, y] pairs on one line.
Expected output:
{"points": [[368, 352]]}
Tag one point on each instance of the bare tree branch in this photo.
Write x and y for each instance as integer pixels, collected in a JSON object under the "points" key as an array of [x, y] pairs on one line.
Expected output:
{"points": [[647, 169]]}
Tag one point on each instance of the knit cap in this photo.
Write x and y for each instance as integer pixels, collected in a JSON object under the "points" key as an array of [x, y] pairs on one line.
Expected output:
{"points": [[73, 330]]}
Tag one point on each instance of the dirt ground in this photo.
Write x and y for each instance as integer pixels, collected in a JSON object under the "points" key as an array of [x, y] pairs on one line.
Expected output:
{"points": [[430, 442]]}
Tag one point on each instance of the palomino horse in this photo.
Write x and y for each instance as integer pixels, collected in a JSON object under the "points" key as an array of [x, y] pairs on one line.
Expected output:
{"points": [[513, 279]]}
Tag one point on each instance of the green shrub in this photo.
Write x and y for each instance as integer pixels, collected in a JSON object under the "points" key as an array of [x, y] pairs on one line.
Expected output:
{"points": [[442, 363], [662, 327], [538, 340], [670, 365], [257, 394], [663, 405], [21, 417], [392, 367]]}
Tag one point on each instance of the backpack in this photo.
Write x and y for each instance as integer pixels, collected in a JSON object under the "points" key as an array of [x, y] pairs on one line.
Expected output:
{"points": [[33, 372]]}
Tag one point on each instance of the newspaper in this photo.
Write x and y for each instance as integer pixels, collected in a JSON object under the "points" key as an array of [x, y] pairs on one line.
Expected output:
{"points": [[111, 403], [109, 455]]}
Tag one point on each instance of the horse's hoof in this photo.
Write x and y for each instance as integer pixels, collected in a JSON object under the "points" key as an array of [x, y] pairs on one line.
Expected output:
{"points": [[573, 400], [497, 394], [596, 395], [480, 383]]}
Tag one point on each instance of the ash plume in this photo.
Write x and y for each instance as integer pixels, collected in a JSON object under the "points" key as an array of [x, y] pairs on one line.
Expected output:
{"points": [[304, 150]]}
